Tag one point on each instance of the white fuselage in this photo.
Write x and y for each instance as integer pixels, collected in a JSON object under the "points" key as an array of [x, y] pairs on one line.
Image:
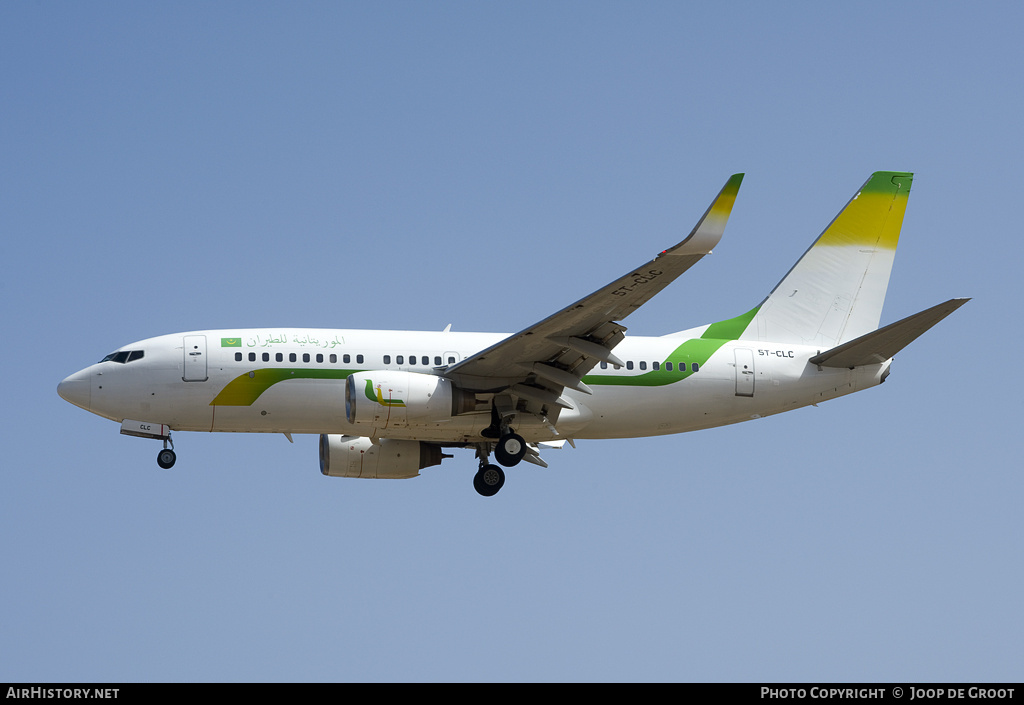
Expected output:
{"points": [[288, 380]]}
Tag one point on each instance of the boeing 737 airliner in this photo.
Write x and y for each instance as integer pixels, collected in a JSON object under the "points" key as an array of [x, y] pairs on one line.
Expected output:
{"points": [[387, 404]]}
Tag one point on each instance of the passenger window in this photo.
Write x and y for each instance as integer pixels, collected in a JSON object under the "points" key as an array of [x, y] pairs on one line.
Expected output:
{"points": [[451, 360], [346, 358], [655, 365], [643, 365], [333, 358], [668, 366], [305, 357], [399, 359], [291, 357], [279, 357], [387, 359], [682, 367], [629, 364], [266, 357], [319, 357], [252, 357], [437, 360], [604, 365], [238, 357], [359, 359], [695, 367], [425, 360]]}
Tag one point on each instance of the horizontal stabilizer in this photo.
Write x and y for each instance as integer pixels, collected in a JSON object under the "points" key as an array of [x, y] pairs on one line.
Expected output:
{"points": [[880, 345]]}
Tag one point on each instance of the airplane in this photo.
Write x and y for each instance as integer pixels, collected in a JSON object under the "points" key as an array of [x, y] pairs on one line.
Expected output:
{"points": [[388, 404]]}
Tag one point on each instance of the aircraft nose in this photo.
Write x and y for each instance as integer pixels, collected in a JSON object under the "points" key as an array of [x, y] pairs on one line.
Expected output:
{"points": [[75, 389]]}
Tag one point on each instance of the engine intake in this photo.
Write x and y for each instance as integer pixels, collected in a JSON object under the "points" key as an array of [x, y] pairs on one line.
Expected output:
{"points": [[396, 398]]}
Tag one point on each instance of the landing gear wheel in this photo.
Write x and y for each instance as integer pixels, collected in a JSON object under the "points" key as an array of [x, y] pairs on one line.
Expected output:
{"points": [[510, 449], [166, 458], [488, 480]]}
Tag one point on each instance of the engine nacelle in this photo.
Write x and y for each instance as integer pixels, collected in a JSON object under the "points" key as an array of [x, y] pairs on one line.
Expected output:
{"points": [[396, 398], [357, 456]]}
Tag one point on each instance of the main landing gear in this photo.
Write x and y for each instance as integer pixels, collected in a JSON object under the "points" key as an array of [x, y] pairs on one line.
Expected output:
{"points": [[508, 451], [489, 479]]}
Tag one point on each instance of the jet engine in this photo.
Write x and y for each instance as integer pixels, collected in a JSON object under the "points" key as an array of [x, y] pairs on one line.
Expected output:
{"points": [[396, 398], [358, 456]]}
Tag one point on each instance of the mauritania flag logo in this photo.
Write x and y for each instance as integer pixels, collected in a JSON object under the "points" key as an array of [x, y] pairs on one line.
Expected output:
{"points": [[231, 342]]}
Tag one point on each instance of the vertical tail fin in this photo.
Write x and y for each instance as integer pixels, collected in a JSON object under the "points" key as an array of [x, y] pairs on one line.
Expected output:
{"points": [[835, 292]]}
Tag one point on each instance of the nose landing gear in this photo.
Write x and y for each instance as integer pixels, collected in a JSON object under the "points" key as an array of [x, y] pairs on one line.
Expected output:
{"points": [[158, 432], [166, 457]]}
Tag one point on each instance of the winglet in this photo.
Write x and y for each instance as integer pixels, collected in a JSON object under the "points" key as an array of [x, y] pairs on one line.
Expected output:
{"points": [[708, 231]]}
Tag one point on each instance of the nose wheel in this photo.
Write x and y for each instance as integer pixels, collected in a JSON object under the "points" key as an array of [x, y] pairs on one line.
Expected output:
{"points": [[166, 457]]}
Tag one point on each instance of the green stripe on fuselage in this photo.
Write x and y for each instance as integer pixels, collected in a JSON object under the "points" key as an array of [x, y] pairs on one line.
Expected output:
{"points": [[695, 350], [731, 329], [246, 389]]}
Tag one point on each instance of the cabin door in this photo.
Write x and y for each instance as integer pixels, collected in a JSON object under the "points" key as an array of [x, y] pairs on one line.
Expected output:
{"points": [[744, 372], [194, 369]]}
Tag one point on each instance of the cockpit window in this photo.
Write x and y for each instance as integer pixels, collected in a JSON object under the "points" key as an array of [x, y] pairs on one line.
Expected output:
{"points": [[123, 356]]}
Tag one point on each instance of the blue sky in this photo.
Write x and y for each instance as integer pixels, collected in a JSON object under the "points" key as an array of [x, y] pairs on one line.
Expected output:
{"points": [[172, 167]]}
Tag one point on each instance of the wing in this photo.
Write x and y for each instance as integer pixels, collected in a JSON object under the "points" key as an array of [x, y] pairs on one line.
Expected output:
{"points": [[539, 362]]}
